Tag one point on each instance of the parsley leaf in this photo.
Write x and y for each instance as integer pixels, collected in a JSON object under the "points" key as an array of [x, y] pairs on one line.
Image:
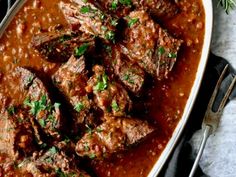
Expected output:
{"points": [[92, 156], [110, 35], [102, 84], [79, 51], [42, 123], [79, 107], [11, 110], [85, 9], [114, 5], [132, 21], [115, 106], [53, 150], [126, 2], [172, 55], [161, 50]]}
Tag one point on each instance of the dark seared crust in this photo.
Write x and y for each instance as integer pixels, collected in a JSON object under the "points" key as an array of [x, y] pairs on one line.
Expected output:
{"points": [[114, 93], [128, 72], [33, 90], [17, 137], [112, 136], [150, 46], [71, 79], [52, 163], [59, 46], [92, 20]]}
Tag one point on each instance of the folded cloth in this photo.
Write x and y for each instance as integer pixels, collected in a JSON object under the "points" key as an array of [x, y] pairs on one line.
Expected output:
{"points": [[180, 162]]}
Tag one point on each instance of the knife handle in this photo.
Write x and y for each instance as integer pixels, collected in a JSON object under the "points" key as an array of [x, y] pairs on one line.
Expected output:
{"points": [[206, 134]]}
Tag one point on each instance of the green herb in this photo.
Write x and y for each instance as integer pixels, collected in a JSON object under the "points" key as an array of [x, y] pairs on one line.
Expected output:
{"points": [[92, 156], [79, 51], [114, 22], [126, 2], [42, 123], [110, 35], [99, 130], [227, 5], [53, 150], [79, 107], [11, 110], [128, 78], [49, 160], [161, 51], [85, 1], [114, 5], [85, 9], [115, 106], [86, 147], [132, 21], [102, 84], [59, 173], [89, 129], [57, 105], [104, 28], [172, 55], [102, 16], [36, 106]]}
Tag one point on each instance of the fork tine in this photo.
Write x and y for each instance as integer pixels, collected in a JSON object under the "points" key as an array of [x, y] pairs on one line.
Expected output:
{"points": [[211, 102], [227, 94]]}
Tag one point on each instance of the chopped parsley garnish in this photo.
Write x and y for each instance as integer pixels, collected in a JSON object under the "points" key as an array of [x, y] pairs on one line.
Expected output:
{"points": [[85, 9], [132, 21], [11, 110], [115, 106], [64, 38], [114, 22], [161, 50], [110, 35], [92, 156], [53, 150], [104, 28], [128, 78], [42, 123], [59, 173], [79, 51], [89, 129], [86, 147], [172, 55], [126, 2], [36, 106], [114, 5], [79, 107], [99, 130], [102, 84], [102, 16]]}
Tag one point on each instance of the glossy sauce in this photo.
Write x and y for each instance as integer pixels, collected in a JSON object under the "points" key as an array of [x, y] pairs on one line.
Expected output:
{"points": [[165, 101]]}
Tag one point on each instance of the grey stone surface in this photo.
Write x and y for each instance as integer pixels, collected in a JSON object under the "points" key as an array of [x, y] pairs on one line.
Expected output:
{"points": [[219, 156]]}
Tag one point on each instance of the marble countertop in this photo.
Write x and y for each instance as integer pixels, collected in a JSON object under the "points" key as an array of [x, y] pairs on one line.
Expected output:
{"points": [[219, 156]]}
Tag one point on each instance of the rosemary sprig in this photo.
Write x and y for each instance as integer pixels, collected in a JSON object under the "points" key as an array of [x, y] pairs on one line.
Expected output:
{"points": [[227, 5]]}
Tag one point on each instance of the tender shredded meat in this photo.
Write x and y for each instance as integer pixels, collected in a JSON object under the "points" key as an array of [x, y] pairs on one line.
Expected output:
{"points": [[71, 79], [59, 46], [87, 18], [149, 45], [112, 136], [110, 96]]}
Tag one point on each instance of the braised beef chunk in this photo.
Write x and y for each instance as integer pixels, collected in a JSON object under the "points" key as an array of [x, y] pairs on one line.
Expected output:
{"points": [[112, 136], [128, 72], [36, 100], [149, 45], [17, 137], [71, 79], [59, 46], [110, 96], [160, 9], [87, 18], [52, 163]]}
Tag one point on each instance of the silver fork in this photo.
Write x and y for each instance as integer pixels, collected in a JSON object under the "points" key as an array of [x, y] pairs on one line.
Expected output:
{"points": [[212, 118]]}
